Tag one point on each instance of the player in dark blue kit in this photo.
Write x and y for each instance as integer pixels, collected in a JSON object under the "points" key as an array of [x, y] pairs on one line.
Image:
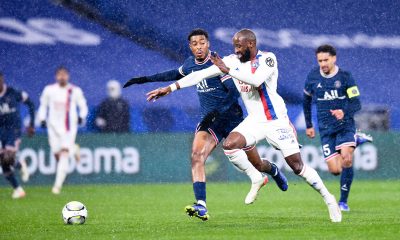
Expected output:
{"points": [[220, 112], [10, 133], [337, 98]]}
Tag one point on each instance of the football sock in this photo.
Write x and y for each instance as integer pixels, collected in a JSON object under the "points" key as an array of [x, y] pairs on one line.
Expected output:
{"points": [[314, 180], [345, 183], [239, 158], [62, 169], [12, 180], [199, 189]]}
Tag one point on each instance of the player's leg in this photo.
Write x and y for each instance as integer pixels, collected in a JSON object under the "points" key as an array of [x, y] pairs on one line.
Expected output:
{"points": [[332, 157], [203, 145], [346, 144], [20, 164], [283, 136], [233, 149], [7, 158], [265, 166], [62, 158], [60, 146]]}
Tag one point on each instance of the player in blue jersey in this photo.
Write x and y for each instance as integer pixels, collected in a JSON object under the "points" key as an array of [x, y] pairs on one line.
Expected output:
{"points": [[220, 113], [337, 98], [10, 133]]}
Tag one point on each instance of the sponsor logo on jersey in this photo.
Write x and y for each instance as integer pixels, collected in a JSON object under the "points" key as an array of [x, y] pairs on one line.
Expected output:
{"points": [[246, 88], [331, 95], [6, 109]]}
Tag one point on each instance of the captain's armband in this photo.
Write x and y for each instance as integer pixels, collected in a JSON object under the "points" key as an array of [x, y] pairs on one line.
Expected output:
{"points": [[353, 92]]}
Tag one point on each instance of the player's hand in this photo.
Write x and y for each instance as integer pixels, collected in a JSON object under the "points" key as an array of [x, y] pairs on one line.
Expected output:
{"points": [[209, 119], [310, 132], [136, 80], [338, 114], [43, 124], [219, 63], [30, 131], [157, 93]]}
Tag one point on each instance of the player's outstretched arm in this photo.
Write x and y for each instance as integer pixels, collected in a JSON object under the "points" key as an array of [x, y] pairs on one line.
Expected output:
{"points": [[188, 81], [166, 76]]}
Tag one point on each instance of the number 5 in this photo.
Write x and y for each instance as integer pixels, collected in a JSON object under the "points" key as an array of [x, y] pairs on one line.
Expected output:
{"points": [[326, 149]]}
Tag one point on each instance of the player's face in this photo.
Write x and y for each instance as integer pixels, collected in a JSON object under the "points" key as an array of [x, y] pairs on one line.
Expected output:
{"points": [[62, 77], [242, 48], [199, 46], [326, 62]]}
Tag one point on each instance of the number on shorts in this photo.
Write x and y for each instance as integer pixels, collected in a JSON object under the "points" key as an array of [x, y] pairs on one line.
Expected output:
{"points": [[326, 149]]}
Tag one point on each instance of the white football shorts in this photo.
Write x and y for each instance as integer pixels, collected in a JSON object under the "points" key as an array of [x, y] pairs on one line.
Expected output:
{"points": [[279, 133]]}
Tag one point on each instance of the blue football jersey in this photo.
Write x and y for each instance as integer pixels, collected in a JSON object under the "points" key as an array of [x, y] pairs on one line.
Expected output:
{"points": [[211, 91], [10, 100], [331, 93]]}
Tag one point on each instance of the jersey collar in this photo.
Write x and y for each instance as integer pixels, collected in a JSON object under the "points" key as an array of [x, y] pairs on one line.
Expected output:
{"points": [[335, 71], [205, 60]]}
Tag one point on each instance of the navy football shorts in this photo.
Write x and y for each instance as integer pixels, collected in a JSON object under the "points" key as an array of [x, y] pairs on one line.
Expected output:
{"points": [[9, 138], [334, 141], [223, 125]]}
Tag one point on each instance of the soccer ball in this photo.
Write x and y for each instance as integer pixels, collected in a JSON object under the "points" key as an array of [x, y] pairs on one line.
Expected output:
{"points": [[74, 213]]}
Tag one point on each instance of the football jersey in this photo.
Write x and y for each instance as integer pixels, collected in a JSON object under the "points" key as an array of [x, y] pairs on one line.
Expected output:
{"points": [[10, 100], [58, 107], [211, 91], [331, 92], [259, 94]]}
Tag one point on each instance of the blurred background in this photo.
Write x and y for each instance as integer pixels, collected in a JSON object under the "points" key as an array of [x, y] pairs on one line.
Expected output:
{"points": [[104, 43]]}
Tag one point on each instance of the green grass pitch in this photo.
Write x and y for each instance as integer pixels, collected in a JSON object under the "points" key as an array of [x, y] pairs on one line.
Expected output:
{"points": [[155, 211]]}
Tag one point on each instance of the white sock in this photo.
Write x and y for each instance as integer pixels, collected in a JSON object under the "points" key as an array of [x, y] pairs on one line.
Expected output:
{"points": [[239, 158], [314, 180], [62, 169]]}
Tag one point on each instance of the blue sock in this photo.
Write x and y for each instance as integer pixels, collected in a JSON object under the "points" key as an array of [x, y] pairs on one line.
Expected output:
{"points": [[17, 165], [199, 189], [11, 178], [346, 179]]}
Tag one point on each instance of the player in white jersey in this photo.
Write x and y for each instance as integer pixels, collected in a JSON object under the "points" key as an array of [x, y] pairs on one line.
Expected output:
{"points": [[256, 75], [58, 112]]}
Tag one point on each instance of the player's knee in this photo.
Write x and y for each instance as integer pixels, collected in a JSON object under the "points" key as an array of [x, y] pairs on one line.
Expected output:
{"points": [[297, 167], [8, 158], [229, 145], [347, 160], [198, 156]]}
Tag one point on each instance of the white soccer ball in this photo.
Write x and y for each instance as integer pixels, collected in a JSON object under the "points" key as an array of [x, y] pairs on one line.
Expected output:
{"points": [[74, 213]]}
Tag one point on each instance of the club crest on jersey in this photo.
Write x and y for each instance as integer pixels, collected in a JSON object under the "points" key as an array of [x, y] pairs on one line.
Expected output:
{"points": [[270, 62], [338, 84]]}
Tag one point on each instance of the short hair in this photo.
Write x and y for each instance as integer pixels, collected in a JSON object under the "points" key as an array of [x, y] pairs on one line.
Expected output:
{"points": [[247, 34], [61, 68], [197, 32], [326, 48]]}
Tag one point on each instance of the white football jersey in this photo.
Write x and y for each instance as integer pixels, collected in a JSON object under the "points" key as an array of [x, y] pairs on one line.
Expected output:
{"points": [[258, 85], [58, 106]]}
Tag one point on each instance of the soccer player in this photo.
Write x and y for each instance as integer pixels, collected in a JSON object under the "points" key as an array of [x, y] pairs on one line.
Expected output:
{"points": [[337, 99], [10, 133], [221, 113], [256, 74], [58, 112]]}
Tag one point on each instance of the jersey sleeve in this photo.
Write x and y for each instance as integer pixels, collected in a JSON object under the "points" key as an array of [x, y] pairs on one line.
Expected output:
{"points": [[308, 87], [352, 89], [266, 69], [44, 103], [196, 77]]}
